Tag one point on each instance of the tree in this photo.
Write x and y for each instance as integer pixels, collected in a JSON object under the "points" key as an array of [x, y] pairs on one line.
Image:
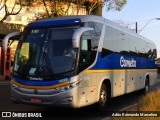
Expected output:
{"points": [[10, 9], [115, 4], [58, 7], [52, 7], [61, 7], [91, 5]]}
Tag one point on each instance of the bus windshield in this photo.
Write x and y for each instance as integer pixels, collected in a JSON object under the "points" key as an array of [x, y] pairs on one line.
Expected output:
{"points": [[45, 51]]}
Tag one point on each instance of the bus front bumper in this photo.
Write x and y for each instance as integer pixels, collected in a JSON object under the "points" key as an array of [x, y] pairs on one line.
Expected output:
{"points": [[48, 97]]}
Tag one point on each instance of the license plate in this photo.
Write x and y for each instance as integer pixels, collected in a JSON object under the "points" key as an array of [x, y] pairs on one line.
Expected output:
{"points": [[36, 100]]}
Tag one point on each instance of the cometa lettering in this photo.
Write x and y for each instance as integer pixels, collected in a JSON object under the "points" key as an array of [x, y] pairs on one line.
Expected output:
{"points": [[127, 63]]}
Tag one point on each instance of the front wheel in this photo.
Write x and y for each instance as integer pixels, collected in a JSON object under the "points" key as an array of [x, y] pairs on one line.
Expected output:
{"points": [[103, 98]]}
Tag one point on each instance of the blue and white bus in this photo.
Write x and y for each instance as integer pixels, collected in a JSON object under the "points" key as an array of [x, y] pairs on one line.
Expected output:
{"points": [[76, 61]]}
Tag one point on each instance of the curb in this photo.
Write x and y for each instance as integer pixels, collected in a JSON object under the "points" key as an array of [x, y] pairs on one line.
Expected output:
{"points": [[129, 107], [4, 82]]}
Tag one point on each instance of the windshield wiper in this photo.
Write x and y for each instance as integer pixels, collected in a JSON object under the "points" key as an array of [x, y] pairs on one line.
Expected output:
{"points": [[43, 58]]}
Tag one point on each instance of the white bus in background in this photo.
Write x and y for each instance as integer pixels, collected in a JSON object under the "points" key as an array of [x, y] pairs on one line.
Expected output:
{"points": [[76, 61]]}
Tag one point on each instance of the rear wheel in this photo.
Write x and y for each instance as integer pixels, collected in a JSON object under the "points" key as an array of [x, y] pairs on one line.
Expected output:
{"points": [[146, 88]]}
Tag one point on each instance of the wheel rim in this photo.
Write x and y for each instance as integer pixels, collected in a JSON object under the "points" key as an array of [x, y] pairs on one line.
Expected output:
{"points": [[147, 87], [103, 97]]}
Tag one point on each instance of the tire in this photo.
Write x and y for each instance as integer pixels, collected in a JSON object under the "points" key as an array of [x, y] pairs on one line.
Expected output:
{"points": [[146, 87], [103, 98]]}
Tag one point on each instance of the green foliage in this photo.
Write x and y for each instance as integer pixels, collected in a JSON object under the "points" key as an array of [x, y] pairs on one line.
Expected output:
{"points": [[115, 4]]}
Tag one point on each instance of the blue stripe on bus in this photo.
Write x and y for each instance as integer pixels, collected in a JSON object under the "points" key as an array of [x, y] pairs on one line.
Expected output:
{"points": [[112, 61], [39, 83], [109, 62], [54, 22]]}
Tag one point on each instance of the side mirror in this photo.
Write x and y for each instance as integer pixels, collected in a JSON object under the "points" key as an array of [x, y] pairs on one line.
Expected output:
{"points": [[7, 37], [77, 34]]}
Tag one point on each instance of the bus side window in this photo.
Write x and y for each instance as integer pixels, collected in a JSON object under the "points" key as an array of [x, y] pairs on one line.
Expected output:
{"points": [[85, 52]]}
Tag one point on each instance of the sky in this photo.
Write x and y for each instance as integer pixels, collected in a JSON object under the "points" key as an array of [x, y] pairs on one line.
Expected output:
{"points": [[142, 12]]}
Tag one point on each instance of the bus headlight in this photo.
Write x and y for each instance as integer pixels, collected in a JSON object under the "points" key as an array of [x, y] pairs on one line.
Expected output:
{"points": [[70, 86]]}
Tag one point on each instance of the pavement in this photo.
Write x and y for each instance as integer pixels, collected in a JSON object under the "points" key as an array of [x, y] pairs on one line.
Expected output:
{"points": [[4, 82]]}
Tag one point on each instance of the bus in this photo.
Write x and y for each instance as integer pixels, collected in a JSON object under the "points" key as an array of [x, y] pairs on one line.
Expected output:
{"points": [[75, 61]]}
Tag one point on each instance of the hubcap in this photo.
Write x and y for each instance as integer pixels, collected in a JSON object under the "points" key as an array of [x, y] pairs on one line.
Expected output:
{"points": [[103, 97], [147, 88]]}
